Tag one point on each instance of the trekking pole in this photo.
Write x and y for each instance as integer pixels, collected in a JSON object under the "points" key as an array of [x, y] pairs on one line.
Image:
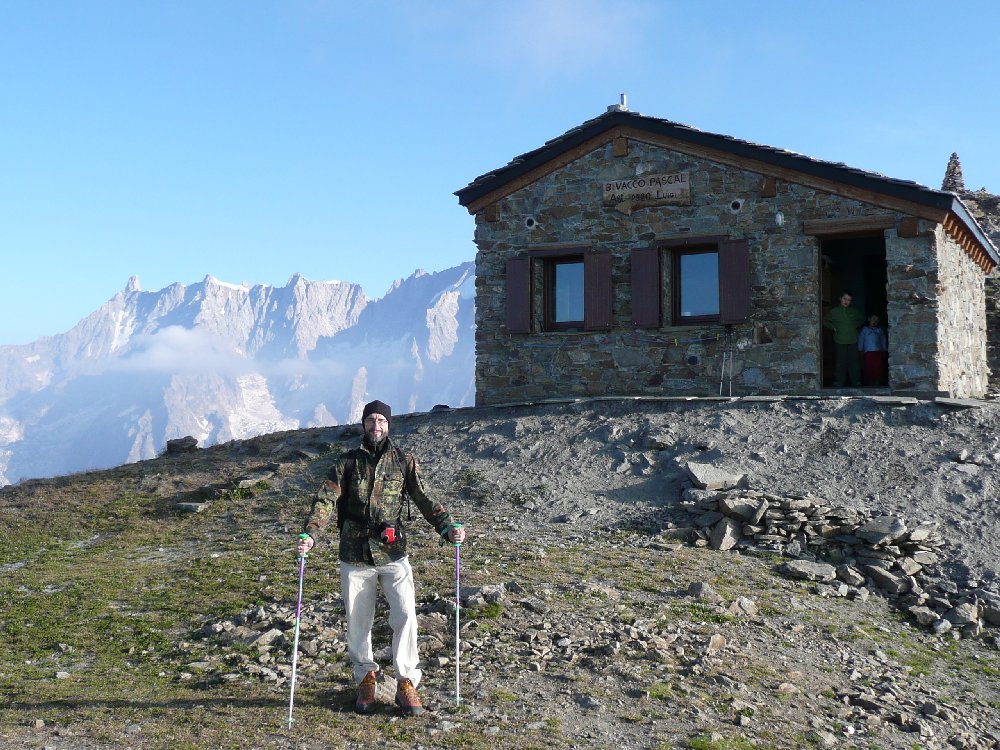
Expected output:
{"points": [[722, 375], [458, 607], [295, 644]]}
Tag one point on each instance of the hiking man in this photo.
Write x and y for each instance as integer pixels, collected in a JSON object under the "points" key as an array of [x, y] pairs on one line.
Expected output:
{"points": [[366, 490]]}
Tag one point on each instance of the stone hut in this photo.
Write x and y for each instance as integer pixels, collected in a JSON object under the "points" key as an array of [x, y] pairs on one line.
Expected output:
{"points": [[634, 256]]}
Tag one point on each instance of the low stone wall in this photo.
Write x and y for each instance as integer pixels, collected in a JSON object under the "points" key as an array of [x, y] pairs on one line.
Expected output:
{"points": [[846, 552]]}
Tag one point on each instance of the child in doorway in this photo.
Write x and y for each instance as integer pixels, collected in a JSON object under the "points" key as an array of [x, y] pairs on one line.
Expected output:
{"points": [[874, 348]]}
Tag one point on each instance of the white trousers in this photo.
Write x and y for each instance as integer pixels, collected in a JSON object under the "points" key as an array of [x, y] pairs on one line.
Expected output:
{"points": [[358, 587]]}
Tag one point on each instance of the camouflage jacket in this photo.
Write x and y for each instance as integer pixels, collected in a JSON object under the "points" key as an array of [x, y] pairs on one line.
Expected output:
{"points": [[373, 491]]}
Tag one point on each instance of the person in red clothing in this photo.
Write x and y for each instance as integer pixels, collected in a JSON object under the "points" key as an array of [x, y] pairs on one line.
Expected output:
{"points": [[873, 345]]}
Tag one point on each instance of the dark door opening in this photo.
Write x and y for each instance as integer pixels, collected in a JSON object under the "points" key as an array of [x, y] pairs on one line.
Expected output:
{"points": [[855, 264]]}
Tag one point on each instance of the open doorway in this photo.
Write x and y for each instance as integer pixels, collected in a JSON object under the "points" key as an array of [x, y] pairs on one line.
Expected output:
{"points": [[856, 264]]}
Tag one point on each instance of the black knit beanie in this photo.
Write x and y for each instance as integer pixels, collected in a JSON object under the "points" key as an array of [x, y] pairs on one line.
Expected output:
{"points": [[377, 407]]}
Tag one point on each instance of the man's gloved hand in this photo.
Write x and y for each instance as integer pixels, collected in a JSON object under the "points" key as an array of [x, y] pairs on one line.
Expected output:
{"points": [[305, 544], [455, 534]]}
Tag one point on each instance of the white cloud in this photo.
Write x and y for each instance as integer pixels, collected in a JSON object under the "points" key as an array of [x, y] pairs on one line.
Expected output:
{"points": [[177, 349]]}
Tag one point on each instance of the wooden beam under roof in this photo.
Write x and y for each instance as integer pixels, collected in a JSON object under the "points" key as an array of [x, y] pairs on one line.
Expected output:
{"points": [[849, 225]]}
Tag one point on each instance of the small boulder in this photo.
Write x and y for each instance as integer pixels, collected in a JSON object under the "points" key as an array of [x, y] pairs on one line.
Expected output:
{"points": [[182, 445], [808, 571]]}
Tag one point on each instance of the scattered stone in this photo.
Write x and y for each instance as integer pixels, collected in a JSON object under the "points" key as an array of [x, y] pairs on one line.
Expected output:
{"points": [[715, 644], [191, 507], [725, 535], [703, 591], [886, 580], [963, 614], [881, 530], [709, 477], [809, 571]]}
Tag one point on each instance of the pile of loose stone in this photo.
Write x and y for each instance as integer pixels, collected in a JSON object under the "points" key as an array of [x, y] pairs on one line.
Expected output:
{"points": [[257, 643], [846, 551]]}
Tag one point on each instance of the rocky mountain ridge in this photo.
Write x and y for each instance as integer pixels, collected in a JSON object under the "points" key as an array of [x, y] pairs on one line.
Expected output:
{"points": [[220, 361]]}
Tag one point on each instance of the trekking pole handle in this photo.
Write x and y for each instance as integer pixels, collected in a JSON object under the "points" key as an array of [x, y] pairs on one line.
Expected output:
{"points": [[302, 537], [444, 536]]}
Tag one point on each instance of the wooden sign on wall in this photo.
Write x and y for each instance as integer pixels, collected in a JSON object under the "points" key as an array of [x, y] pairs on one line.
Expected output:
{"points": [[648, 190]]}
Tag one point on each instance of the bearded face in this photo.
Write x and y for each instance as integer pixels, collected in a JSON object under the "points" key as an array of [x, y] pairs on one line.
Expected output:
{"points": [[376, 428]]}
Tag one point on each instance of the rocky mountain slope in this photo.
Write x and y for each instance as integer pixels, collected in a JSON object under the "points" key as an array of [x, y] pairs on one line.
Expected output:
{"points": [[854, 605], [219, 361]]}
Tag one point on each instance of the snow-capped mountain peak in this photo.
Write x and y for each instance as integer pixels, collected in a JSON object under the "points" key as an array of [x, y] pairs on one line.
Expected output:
{"points": [[220, 361]]}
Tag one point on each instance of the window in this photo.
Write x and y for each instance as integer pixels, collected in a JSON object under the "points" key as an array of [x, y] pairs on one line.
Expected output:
{"points": [[696, 285], [708, 282], [564, 288], [570, 288]]}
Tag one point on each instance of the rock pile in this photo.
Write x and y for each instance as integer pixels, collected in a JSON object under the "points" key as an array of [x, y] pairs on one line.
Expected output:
{"points": [[847, 552], [257, 643]]}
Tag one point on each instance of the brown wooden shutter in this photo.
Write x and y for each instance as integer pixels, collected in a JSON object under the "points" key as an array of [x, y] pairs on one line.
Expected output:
{"points": [[734, 281], [597, 291], [519, 295], [646, 294]]}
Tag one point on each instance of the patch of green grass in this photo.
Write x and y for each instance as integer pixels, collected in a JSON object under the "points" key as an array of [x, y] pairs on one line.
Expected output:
{"points": [[727, 743], [487, 611], [661, 691], [700, 612]]}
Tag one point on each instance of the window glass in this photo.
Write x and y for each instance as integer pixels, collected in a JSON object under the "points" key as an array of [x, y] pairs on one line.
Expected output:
{"points": [[699, 285], [568, 290]]}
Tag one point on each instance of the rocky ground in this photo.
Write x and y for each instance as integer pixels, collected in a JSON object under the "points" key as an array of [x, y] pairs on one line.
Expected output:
{"points": [[770, 573]]}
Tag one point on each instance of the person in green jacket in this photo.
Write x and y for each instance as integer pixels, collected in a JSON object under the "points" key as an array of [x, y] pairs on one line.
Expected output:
{"points": [[845, 322]]}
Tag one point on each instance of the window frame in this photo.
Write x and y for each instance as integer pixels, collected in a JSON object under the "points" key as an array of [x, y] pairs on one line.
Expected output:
{"points": [[676, 280], [550, 264]]}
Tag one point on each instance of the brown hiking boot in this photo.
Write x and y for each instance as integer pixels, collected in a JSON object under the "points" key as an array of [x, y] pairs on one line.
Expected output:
{"points": [[407, 698], [365, 702]]}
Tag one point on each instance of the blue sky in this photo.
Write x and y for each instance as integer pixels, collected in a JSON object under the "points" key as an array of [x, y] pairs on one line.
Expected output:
{"points": [[251, 140]]}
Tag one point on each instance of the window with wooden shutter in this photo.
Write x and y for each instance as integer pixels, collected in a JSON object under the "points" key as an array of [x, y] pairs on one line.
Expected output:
{"points": [[709, 280], [576, 289], [734, 281], [646, 289], [519, 295], [597, 309]]}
